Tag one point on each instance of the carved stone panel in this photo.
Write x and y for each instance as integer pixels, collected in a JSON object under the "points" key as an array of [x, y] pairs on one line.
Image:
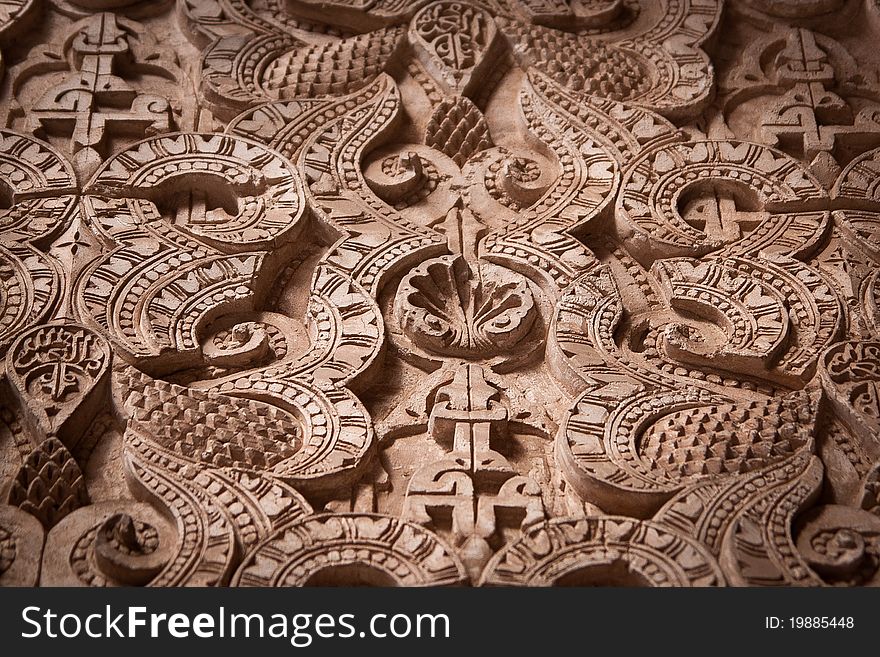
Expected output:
{"points": [[439, 293]]}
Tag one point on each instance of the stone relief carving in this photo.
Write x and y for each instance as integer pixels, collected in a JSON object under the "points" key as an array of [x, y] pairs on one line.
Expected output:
{"points": [[429, 293]]}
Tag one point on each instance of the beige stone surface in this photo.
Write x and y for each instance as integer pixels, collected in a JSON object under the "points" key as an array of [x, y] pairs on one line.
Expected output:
{"points": [[428, 293]]}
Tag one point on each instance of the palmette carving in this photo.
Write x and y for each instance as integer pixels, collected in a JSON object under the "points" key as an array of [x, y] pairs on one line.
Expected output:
{"points": [[444, 292], [445, 310]]}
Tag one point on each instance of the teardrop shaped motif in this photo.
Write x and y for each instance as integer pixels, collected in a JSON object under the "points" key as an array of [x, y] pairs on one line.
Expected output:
{"points": [[60, 373], [456, 42]]}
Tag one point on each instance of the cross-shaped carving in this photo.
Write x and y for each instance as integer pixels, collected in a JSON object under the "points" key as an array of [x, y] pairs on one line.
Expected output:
{"points": [[721, 213], [809, 117], [93, 103], [475, 486]]}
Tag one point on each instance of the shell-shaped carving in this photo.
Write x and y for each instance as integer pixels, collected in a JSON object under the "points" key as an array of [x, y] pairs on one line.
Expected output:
{"points": [[449, 309]]}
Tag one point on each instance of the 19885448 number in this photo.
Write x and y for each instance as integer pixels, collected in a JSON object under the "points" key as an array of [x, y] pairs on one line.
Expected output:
{"points": [[809, 622]]}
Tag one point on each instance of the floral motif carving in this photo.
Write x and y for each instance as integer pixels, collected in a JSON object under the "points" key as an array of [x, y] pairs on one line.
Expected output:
{"points": [[449, 309]]}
